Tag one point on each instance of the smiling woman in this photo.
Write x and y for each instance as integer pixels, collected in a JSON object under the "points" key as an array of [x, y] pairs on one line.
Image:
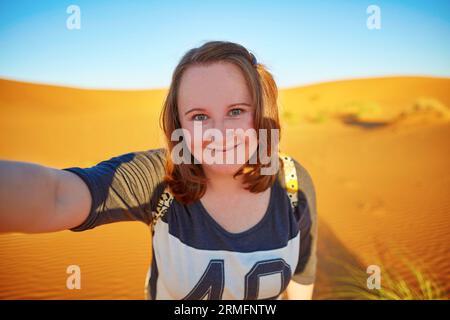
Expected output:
{"points": [[208, 85], [219, 231]]}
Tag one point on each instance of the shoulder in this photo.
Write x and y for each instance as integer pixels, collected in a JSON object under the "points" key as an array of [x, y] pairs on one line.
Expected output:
{"points": [[304, 178], [152, 153], [156, 156], [148, 164], [306, 187]]}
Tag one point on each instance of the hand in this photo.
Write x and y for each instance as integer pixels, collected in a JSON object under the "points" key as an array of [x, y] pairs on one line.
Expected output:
{"points": [[297, 291]]}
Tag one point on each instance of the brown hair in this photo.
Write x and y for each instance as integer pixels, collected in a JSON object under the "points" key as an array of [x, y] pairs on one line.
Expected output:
{"points": [[187, 181]]}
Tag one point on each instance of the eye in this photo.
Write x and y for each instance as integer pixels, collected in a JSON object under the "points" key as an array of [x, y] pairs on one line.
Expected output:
{"points": [[236, 111], [199, 117]]}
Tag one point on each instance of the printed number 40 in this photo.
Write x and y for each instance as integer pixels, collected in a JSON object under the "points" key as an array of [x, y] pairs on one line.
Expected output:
{"points": [[212, 282]]}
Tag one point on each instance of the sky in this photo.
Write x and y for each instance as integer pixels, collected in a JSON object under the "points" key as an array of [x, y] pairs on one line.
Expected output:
{"points": [[124, 44]]}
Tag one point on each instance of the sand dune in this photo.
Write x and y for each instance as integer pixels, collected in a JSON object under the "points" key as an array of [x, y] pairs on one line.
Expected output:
{"points": [[377, 150]]}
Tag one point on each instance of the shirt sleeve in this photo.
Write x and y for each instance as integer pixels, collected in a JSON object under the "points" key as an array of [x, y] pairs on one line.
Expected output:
{"points": [[305, 272], [122, 188]]}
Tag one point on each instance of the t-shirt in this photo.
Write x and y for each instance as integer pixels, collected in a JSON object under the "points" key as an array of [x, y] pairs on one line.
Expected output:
{"points": [[193, 256]]}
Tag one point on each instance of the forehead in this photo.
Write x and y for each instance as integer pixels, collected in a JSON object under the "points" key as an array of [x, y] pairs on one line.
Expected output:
{"points": [[216, 85]]}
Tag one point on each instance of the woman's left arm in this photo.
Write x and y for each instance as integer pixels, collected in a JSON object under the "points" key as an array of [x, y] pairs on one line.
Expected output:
{"points": [[297, 291], [301, 285]]}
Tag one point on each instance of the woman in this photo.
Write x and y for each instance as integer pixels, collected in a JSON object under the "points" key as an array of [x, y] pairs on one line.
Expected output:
{"points": [[228, 230]]}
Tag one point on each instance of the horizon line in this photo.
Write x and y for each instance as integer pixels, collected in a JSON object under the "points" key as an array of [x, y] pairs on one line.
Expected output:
{"points": [[300, 85]]}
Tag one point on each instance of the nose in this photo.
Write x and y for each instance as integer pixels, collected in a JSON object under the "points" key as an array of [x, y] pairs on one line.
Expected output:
{"points": [[221, 138]]}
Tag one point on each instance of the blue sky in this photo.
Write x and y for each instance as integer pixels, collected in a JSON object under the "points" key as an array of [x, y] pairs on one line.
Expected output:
{"points": [[136, 44]]}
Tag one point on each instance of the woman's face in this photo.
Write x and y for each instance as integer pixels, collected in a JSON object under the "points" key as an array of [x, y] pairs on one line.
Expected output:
{"points": [[211, 99]]}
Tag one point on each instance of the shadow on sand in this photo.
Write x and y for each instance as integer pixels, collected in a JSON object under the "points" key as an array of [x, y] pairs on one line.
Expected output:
{"points": [[333, 257]]}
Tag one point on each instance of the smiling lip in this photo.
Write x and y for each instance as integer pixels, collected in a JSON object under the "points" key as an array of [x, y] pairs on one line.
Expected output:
{"points": [[223, 150]]}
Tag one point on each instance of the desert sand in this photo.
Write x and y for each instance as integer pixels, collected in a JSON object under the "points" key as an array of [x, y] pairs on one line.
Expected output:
{"points": [[377, 150]]}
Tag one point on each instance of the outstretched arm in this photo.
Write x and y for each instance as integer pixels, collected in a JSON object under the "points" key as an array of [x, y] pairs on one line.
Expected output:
{"points": [[35, 198]]}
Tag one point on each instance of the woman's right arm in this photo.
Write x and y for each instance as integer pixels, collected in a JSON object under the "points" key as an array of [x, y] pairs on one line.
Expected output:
{"points": [[36, 198]]}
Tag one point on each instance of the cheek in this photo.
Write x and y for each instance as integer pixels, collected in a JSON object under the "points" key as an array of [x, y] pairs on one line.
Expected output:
{"points": [[193, 143], [246, 122], [189, 136]]}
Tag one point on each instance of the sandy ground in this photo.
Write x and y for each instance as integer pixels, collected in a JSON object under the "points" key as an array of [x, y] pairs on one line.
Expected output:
{"points": [[377, 150]]}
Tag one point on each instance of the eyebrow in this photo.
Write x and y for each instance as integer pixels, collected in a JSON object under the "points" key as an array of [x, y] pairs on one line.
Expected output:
{"points": [[231, 105]]}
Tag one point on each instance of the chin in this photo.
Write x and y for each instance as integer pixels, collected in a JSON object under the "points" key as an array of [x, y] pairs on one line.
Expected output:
{"points": [[223, 169]]}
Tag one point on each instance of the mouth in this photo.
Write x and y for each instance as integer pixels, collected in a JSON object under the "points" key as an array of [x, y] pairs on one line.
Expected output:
{"points": [[224, 150]]}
